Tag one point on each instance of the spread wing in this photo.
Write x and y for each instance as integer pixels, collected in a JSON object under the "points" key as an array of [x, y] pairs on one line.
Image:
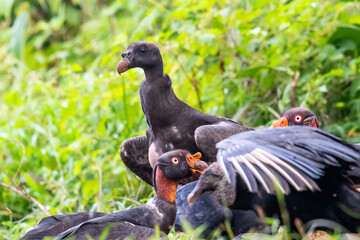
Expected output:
{"points": [[283, 157]]}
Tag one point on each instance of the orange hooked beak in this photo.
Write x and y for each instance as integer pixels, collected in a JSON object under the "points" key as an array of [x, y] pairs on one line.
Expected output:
{"points": [[282, 122], [194, 162]]}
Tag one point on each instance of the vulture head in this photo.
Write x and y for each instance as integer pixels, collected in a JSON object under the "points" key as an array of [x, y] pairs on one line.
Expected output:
{"points": [[144, 54], [297, 116], [173, 166]]}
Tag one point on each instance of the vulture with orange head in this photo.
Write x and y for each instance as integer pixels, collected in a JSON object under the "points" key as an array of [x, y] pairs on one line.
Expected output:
{"points": [[138, 222]]}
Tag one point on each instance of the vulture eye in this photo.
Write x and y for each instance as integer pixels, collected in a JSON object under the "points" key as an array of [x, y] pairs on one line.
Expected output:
{"points": [[175, 160], [298, 118], [142, 50]]}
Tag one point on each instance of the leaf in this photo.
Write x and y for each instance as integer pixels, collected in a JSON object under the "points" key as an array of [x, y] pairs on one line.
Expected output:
{"points": [[355, 87], [207, 38], [18, 38], [72, 15], [334, 73], [250, 72], [77, 167], [34, 185], [350, 32], [5, 8], [76, 68]]}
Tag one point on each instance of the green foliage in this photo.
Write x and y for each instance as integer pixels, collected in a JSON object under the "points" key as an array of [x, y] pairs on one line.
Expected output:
{"points": [[61, 98]]}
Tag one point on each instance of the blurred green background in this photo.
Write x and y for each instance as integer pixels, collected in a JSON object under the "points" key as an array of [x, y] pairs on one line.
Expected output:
{"points": [[64, 111]]}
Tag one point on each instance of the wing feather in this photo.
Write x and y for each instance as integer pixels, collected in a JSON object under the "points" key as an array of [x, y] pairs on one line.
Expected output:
{"points": [[299, 160], [266, 171], [276, 162], [256, 173], [284, 157], [241, 171]]}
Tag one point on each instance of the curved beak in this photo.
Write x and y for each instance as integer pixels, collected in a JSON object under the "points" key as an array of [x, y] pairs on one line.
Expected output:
{"points": [[123, 65], [195, 164], [282, 122]]}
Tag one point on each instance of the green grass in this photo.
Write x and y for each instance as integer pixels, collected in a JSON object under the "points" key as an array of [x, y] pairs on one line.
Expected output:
{"points": [[64, 111]]}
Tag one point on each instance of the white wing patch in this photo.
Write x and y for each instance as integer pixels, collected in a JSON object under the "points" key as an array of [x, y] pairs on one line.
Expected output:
{"points": [[241, 172], [222, 165], [291, 169], [259, 159]]}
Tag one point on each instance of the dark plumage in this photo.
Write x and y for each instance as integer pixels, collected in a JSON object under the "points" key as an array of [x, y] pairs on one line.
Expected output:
{"points": [[305, 117], [140, 221], [211, 210], [171, 124], [53, 225], [207, 210], [308, 165], [203, 208]]}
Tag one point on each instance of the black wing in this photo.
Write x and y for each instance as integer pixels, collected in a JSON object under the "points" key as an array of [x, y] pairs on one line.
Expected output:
{"points": [[53, 225], [280, 157], [134, 153], [147, 215], [112, 230], [207, 136], [95, 226]]}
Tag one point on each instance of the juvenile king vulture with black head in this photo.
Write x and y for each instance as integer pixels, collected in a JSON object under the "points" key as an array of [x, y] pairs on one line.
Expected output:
{"points": [[171, 124]]}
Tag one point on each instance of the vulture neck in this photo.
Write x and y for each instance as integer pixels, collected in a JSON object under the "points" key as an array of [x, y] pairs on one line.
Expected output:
{"points": [[158, 100], [165, 188], [155, 72]]}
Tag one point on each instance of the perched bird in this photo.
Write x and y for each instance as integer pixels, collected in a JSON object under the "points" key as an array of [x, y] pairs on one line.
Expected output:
{"points": [[309, 166], [139, 222], [171, 124], [297, 116]]}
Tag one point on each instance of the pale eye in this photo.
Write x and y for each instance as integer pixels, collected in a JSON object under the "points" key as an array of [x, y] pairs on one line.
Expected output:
{"points": [[297, 118], [175, 160]]}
